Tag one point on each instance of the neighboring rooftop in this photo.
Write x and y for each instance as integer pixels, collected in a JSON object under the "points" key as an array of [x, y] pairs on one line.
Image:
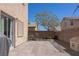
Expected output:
{"points": [[32, 25], [69, 18]]}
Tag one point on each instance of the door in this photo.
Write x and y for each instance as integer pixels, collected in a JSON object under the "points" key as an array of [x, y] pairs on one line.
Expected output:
{"points": [[9, 32], [7, 29]]}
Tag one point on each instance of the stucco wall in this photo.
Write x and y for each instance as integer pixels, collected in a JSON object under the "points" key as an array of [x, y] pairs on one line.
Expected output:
{"points": [[66, 35], [66, 23], [17, 10]]}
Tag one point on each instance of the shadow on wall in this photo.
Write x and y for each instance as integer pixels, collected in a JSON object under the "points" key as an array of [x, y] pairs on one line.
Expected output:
{"points": [[67, 48]]}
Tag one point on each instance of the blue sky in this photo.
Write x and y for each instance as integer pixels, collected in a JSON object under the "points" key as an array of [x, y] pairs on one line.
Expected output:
{"points": [[59, 9]]}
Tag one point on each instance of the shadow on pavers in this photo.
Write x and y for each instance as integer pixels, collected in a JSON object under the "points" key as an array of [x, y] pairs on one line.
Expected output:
{"points": [[67, 48]]}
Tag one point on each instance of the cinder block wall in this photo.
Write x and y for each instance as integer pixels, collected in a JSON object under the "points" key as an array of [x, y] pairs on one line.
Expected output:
{"points": [[66, 35], [41, 34]]}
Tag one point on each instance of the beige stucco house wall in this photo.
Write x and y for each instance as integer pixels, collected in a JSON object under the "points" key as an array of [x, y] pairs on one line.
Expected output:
{"points": [[20, 13], [69, 23]]}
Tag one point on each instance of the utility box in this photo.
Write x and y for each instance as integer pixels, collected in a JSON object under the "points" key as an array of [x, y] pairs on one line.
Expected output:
{"points": [[74, 43]]}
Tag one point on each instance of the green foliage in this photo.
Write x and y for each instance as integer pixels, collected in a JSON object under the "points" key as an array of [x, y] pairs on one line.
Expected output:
{"points": [[46, 19]]}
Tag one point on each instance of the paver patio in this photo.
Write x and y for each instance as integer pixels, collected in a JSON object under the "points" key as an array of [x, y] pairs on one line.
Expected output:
{"points": [[36, 48]]}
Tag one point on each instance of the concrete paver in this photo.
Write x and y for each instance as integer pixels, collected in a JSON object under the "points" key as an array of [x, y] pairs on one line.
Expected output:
{"points": [[36, 48]]}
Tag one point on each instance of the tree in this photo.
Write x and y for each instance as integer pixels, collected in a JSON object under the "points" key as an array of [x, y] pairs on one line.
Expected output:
{"points": [[46, 20]]}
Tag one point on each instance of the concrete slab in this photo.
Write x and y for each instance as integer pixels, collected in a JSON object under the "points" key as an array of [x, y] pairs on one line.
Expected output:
{"points": [[36, 48]]}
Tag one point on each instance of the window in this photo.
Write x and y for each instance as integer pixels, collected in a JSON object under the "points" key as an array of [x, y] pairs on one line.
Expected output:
{"points": [[73, 45], [1, 26], [71, 23], [65, 23], [20, 29]]}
